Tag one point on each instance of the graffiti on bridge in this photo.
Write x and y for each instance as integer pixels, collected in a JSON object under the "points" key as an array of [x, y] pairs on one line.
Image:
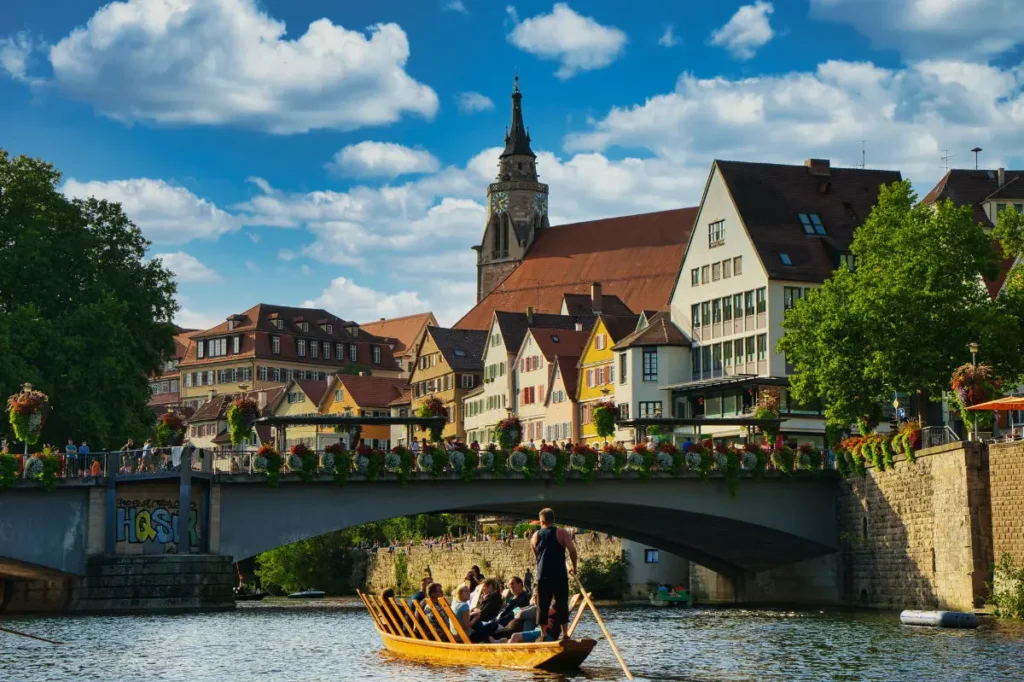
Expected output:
{"points": [[154, 523]]}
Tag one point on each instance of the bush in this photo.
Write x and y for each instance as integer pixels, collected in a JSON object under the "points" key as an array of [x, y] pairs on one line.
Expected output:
{"points": [[1008, 589], [605, 579]]}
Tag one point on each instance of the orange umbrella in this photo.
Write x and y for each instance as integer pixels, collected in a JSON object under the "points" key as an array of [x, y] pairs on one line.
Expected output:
{"points": [[999, 404]]}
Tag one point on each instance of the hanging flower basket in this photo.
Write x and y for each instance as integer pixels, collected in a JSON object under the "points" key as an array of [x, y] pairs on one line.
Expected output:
{"points": [[548, 460], [268, 459], [693, 460], [604, 419], [432, 407], [487, 460], [749, 461], [768, 408], [509, 433], [327, 461], [242, 415], [973, 385], [584, 460], [27, 411], [170, 430]]}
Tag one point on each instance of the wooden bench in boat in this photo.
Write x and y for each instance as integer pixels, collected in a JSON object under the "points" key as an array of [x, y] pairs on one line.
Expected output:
{"points": [[408, 632]]}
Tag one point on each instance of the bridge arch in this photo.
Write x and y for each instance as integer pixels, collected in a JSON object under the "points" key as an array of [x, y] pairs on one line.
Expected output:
{"points": [[771, 522]]}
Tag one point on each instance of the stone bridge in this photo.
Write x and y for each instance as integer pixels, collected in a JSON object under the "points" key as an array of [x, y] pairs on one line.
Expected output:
{"points": [[770, 522]]}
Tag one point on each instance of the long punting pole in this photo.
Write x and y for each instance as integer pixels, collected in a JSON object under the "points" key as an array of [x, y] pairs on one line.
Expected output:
{"points": [[25, 634], [604, 629]]}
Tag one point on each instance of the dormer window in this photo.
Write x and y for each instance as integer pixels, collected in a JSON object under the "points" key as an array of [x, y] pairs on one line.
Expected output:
{"points": [[231, 324], [846, 260], [304, 326], [811, 222], [278, 323], [328, 328], [354, 330]]}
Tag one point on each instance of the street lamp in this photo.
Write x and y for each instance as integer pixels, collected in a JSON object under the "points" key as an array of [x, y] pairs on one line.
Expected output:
{"points": [[973, 347]]}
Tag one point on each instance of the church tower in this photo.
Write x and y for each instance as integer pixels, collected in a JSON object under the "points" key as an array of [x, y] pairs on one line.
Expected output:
{"points": [[517, 206]]}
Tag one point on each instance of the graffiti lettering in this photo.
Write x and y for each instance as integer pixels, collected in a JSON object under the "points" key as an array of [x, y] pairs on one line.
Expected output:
{"points": [[154, 521]]}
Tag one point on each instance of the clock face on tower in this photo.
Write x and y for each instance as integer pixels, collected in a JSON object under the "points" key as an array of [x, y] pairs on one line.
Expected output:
{"points": [[540, 203], [499, 202]]}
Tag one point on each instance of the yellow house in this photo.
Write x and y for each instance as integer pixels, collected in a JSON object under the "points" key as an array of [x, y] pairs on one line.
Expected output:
{"points": [[365, 396], [596, 382], [301, 398], [449, 364]]}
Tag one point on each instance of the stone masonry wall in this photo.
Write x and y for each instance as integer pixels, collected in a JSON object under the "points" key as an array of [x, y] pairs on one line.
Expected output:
{"points": [[1006, 471], [918, 535], [495, 559]]}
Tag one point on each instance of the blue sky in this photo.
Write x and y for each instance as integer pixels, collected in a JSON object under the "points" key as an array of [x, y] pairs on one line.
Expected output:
{"points": [[337, 153]]}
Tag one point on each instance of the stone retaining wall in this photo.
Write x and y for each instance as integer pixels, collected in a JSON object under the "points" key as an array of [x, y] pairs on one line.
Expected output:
{"points": [[918, 535], [160, 583], [1006, 471], [495, 559]]}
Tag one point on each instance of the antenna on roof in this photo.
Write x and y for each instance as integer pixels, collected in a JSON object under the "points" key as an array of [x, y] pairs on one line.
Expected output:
{"points": [[946, 157], [976, 151], [863, 154]]}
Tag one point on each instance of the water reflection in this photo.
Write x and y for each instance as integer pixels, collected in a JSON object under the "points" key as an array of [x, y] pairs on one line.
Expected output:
{"points": [[335, 640]]}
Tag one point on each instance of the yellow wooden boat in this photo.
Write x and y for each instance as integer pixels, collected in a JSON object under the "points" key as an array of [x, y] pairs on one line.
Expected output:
{"points": [[407, 632]]}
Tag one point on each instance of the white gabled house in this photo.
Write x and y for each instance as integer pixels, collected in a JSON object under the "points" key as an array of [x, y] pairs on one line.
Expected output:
{"points": [[764, 234]]}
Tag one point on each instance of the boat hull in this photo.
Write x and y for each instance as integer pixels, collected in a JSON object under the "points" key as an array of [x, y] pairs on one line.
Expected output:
{"points": [[564, 656]]}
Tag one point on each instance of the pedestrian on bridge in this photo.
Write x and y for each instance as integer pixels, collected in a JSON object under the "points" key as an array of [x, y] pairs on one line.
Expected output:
{"points": [[550, 545]]}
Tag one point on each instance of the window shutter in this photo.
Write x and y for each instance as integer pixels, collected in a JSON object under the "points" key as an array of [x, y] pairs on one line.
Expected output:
{"points": [[611, 374], [590, 378]]}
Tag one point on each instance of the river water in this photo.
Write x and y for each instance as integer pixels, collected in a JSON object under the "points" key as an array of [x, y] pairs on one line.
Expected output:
{"points": [[335, 640]]}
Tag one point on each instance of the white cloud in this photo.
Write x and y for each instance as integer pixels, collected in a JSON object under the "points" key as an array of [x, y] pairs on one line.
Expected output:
{"points": [[668, 38], [456, 6], [382, 159], [221, 62], [472, 102], [14, 54], [746, 31], [906, 116], [353, 301], [579, 43], [188, 318], [166, 213], [947, 29], [186, 268], [251, 266]]}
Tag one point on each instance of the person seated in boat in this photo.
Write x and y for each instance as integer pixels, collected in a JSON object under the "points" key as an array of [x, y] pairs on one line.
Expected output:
{"points": [[483, 618], [523, 619], [460, 607], [516, 598], [422, 594], [547, 632], [432, 607]]}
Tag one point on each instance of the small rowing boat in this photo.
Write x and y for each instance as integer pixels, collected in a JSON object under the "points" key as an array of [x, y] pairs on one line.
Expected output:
{"points": [[407, 632], [307, 594]]}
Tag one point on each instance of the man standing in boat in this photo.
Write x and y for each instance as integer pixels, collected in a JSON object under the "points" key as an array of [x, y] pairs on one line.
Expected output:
{"points": [[550, 544]]}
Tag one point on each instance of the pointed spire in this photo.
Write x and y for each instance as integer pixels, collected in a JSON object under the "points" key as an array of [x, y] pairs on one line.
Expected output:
{"points": [[517, 138]]}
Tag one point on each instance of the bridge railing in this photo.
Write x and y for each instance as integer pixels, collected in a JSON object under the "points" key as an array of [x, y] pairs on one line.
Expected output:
{"points": [[123, 463]]}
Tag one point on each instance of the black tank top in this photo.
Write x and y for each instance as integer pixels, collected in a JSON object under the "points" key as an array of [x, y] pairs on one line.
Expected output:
{"points": [[550, 555]]}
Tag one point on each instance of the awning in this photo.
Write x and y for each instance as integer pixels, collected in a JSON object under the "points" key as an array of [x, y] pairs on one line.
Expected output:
{"points": [[738, 381], [1000, 404]]}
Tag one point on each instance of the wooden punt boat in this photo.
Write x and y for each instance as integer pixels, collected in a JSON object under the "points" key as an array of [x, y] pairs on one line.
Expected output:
{"points": [[404, 631]]}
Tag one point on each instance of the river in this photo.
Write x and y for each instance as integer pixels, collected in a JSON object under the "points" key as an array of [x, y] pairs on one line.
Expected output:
{"points": [[335, 640]]}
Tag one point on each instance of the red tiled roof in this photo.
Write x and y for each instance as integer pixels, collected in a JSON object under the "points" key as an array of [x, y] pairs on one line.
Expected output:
{"points": [[569, 369], [636, 258], [559, 342], [216, 409], [254, 327], [403, 331], [769, 198], [314, 389], [371, 391], [583, 304], [660, 331], [404, 399], [974, 187]]}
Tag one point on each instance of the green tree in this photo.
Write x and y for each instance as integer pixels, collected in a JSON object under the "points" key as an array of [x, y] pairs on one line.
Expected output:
{"points": [[83, 316], [903, 319]]}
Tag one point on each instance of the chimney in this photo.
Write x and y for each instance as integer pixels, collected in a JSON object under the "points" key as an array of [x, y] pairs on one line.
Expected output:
{"points": [[596, 297], [579, 326], [261, 399], [382, 319], [529, 314], [1002, 176], [818, 167], [211, 393]]}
